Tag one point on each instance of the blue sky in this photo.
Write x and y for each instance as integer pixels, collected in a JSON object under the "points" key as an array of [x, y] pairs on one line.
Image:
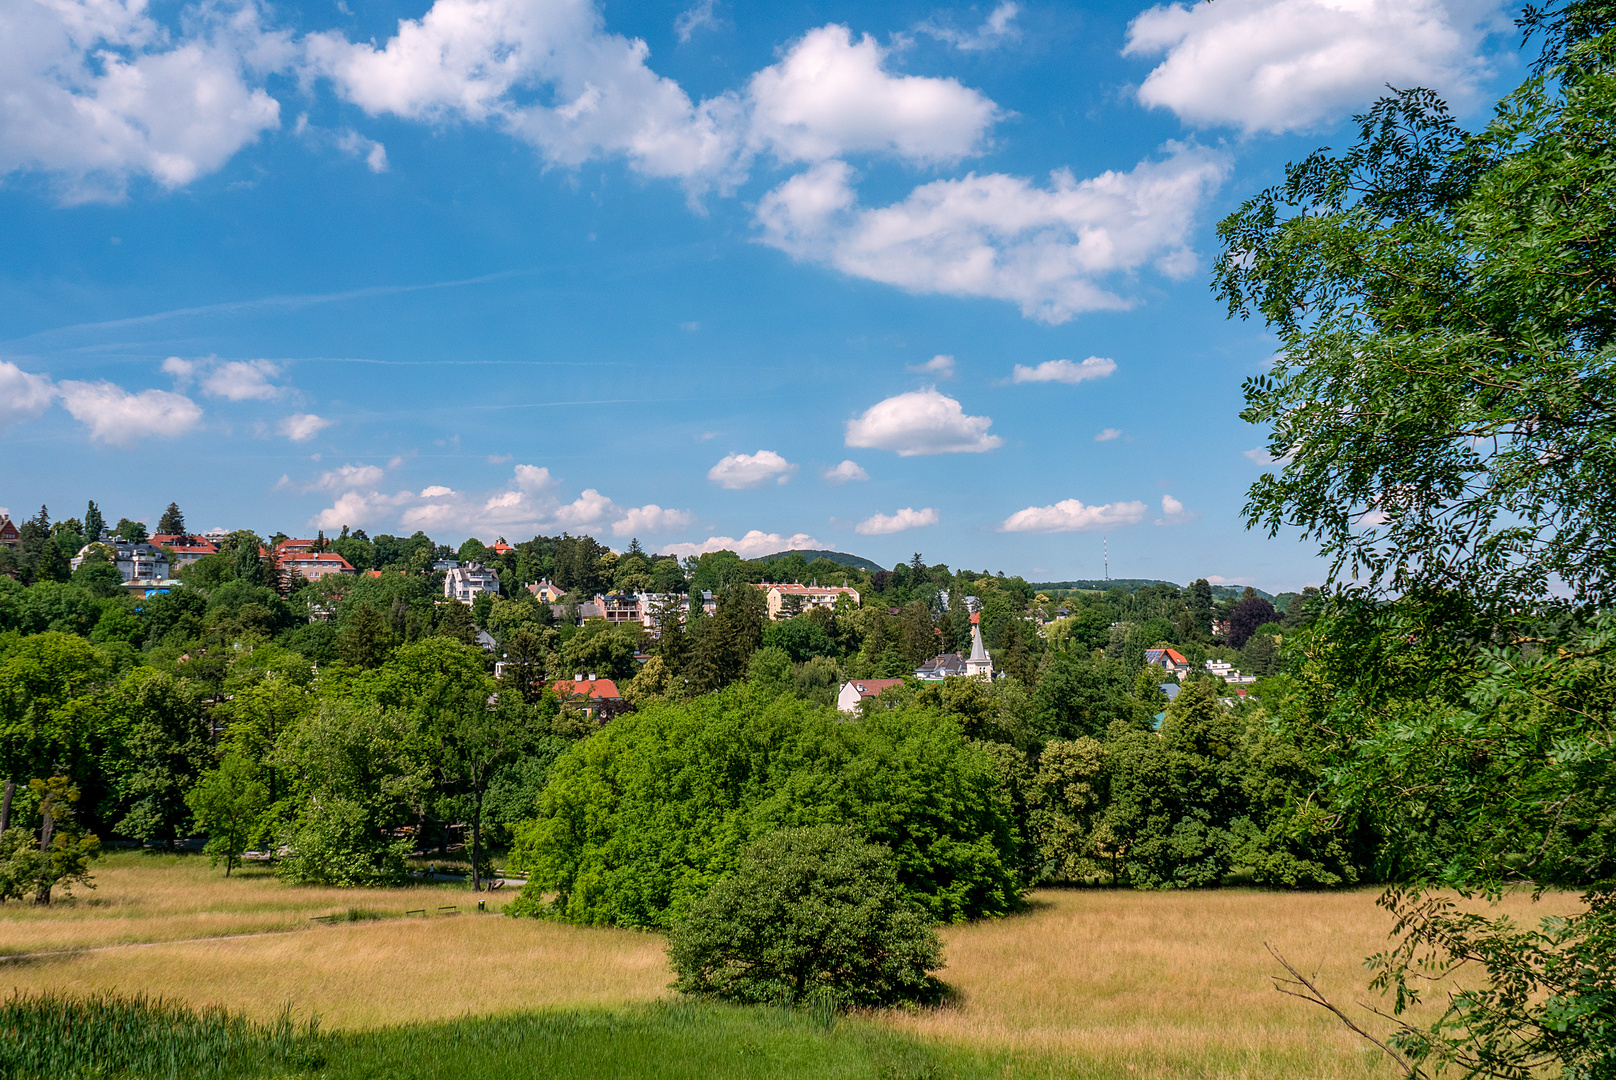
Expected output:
{"points": [[878, 277]]}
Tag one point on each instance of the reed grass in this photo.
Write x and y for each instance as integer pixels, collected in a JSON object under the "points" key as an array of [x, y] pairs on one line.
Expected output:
{"points": [[56, 1037], [1088, 983]]}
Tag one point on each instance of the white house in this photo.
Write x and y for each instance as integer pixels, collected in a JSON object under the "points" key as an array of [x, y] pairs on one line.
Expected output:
{"points": [[859, 690], [136, 562], [1226, 671], [811, 596], [1169, 660], [463, 583]]}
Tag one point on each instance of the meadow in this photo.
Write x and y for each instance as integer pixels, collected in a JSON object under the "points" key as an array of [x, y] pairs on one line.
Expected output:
{"points": [[1097, 983]]}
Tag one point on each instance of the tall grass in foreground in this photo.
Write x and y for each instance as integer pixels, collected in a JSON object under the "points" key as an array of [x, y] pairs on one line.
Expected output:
{"points": [[665, 1041], [107, 1035]]}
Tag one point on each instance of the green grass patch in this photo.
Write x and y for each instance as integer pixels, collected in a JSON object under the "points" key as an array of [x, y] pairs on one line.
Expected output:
{"points": [[107, 1035], [673, 1041]]}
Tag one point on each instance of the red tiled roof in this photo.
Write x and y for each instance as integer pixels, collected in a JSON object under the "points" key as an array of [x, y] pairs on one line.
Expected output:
{"points": [[871, 687], [178, 540], [594, 691], [792, 588], [316, 557]]}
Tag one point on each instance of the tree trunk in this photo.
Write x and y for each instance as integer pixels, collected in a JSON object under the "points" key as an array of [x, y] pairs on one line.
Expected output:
{"points": [[5, 805], [47, 832]]}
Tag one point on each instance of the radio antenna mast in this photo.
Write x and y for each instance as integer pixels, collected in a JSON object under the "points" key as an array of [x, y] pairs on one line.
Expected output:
{"points": [[1106, 542]]}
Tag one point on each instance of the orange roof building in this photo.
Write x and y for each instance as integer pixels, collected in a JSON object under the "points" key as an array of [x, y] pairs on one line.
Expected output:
{"points": [[858, 690]]}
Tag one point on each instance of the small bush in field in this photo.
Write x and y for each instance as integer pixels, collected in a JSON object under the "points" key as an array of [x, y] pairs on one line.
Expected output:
{"points": [[810, 914]]}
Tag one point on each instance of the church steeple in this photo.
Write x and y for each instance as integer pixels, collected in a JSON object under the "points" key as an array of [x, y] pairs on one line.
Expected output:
{"points": [[979, 664]]}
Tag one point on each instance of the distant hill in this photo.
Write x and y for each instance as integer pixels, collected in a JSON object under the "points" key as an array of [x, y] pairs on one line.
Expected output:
{"points": [[858, 562], [1219, 592], [1125, 584]]}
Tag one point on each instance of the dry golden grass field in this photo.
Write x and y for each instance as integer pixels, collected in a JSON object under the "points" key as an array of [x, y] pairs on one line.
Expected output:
{"points": [[1088, 982]]}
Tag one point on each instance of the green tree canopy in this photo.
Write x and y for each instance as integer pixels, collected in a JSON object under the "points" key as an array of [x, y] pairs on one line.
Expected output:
{"points": [[639, 819]]}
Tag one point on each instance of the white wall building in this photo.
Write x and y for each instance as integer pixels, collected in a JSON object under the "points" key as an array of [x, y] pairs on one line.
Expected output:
{"points": [[812, 596], [463, 583], [136, 562]]}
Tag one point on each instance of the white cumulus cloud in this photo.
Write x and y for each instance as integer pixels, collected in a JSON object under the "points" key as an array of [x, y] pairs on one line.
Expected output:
{"points": [[374, 153], [533, 478], [590, 509], [651, 520], [1173, 512], [182, 370], [301, 427], [1050, 250], [23, 395], [757, 470], [527, 502], [357, 509], [753, 544], [242, 380], [907, 518], [347, 477], [1065, 371], [544, 71], [1070, 515], [1288, 65], [96, 92], [921, 422], [1108, 434], [941, 365], [846, 472], [830, 96], [120, 418]]}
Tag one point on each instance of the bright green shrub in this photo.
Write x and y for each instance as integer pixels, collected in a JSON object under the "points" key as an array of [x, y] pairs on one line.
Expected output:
{"points": [[809, 914], [640, 819]]}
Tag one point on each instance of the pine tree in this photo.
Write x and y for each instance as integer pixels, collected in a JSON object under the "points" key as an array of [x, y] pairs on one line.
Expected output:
{"points": [[94, 523], [172, 523]]}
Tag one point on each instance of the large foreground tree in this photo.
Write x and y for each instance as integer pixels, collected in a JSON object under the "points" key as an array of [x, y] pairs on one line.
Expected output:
{"points": [[1442, 413]]}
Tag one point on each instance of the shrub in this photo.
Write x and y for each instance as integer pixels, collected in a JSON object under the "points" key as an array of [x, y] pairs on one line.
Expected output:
{"points": [[809, 914], [339, 844], [640, 819]]}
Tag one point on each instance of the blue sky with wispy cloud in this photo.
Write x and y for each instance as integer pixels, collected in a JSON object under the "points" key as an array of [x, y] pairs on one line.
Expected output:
{"points": [[880, 277]]}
